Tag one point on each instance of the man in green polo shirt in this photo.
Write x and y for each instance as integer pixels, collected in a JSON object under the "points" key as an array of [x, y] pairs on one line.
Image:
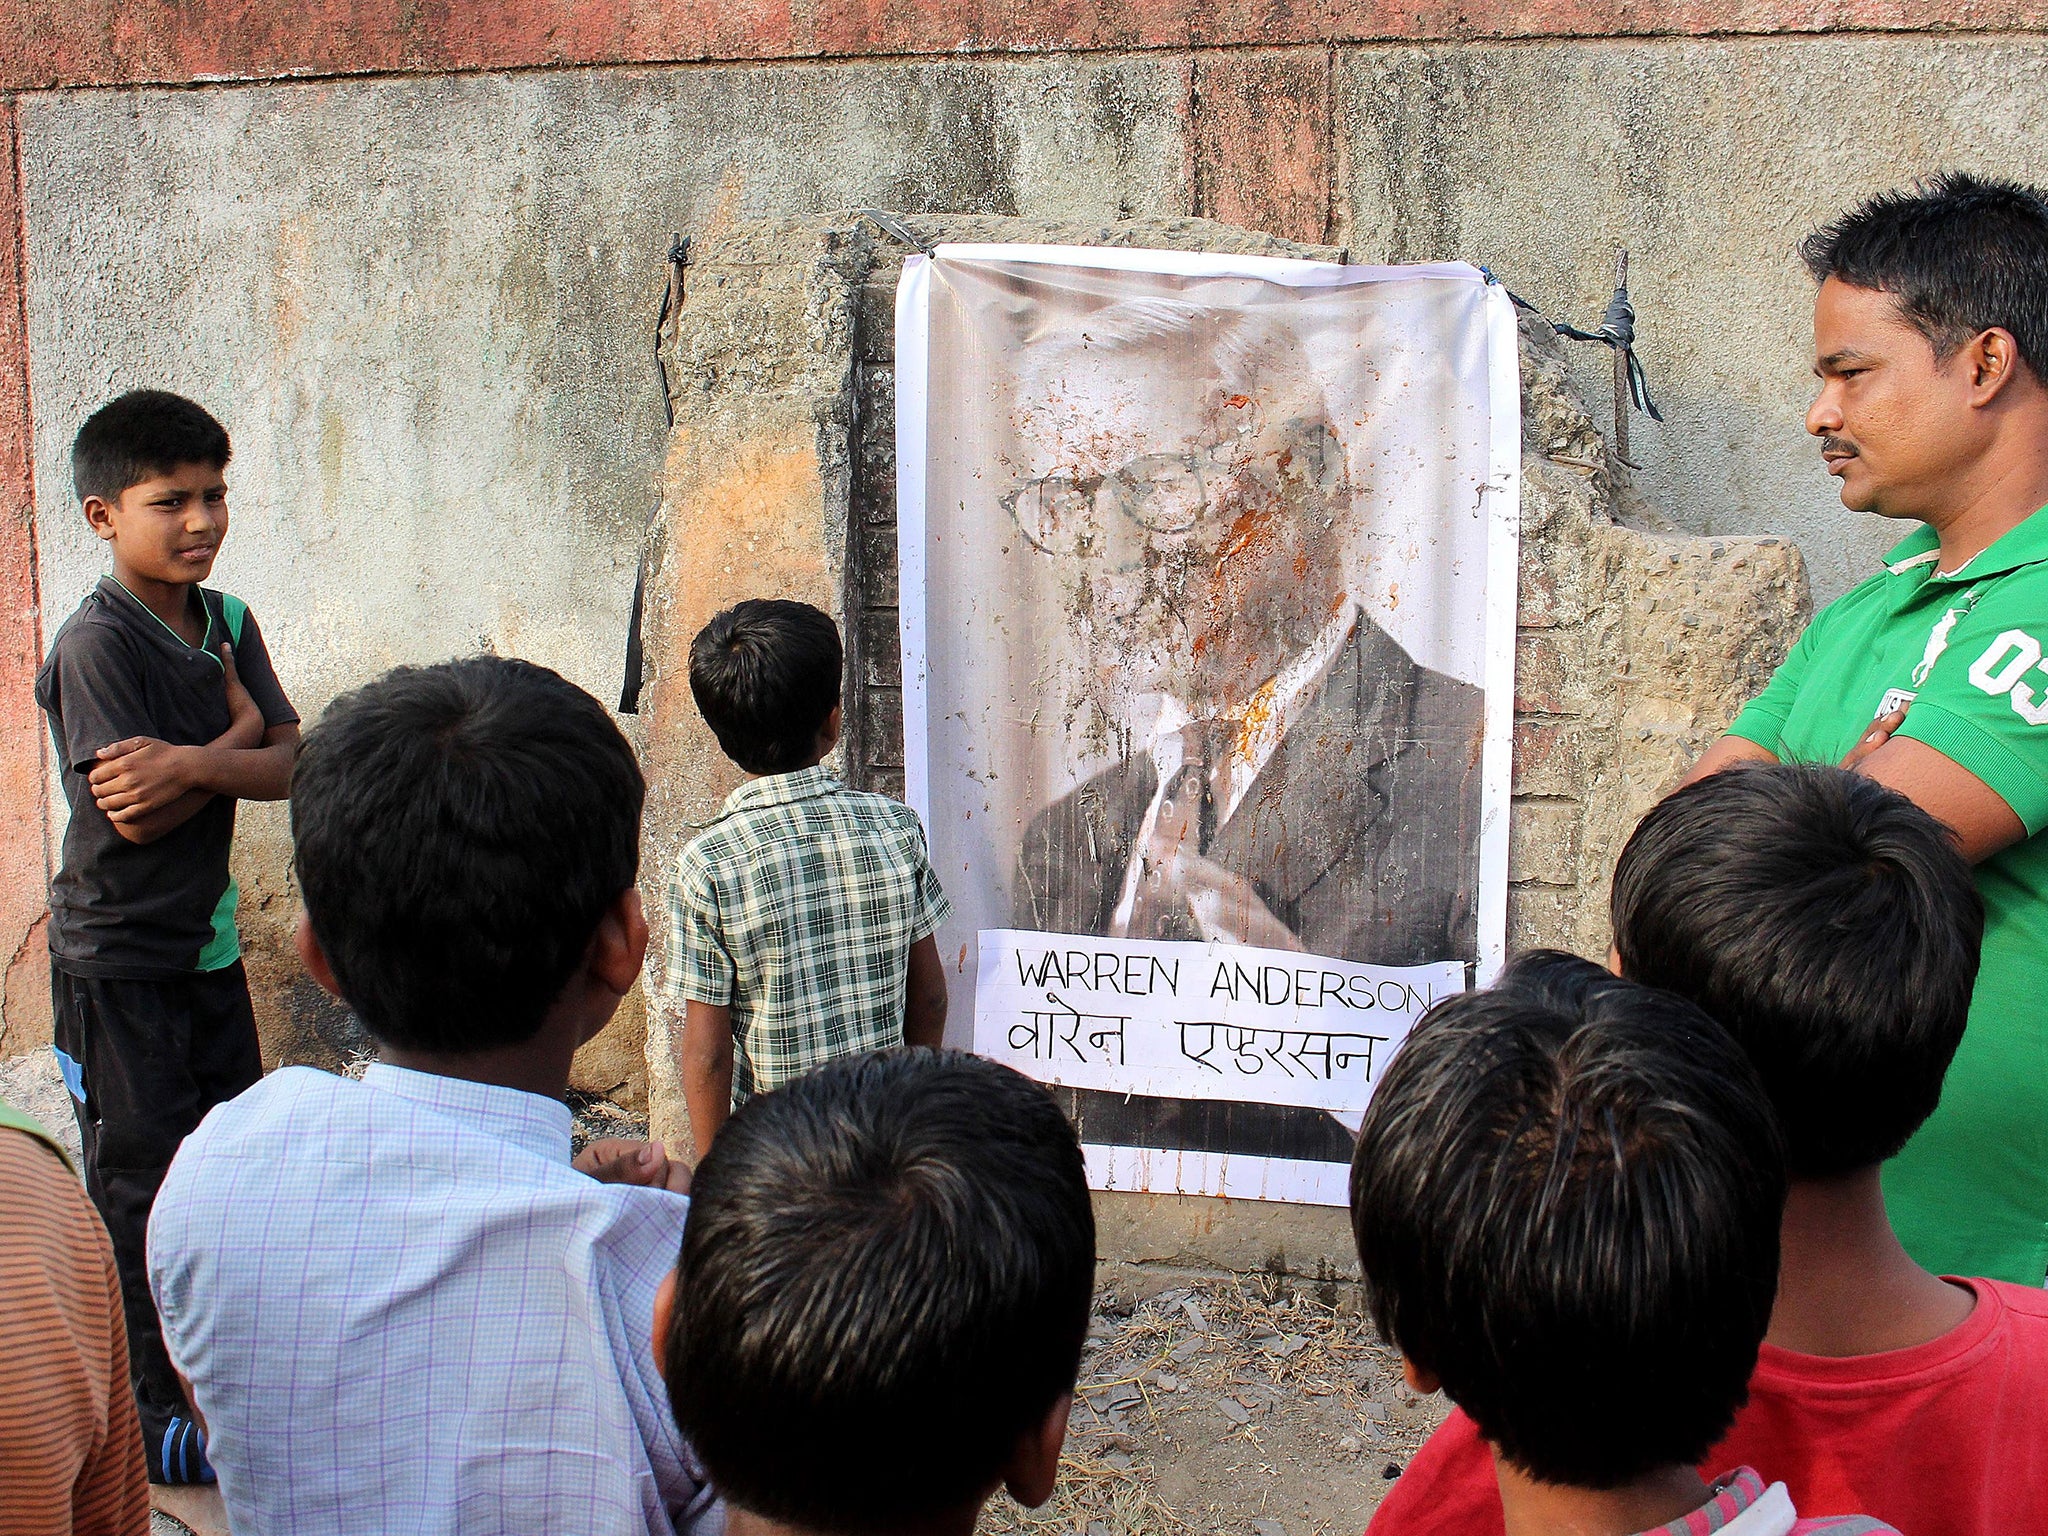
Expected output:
{"points": [[1931, 345]]}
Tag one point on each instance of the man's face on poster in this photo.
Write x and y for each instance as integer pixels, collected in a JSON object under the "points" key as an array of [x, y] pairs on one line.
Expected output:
{"points": [[1193, 515]]}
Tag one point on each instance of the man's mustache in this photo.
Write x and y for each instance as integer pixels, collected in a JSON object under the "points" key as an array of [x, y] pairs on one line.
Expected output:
{"points": [[1837, 445]]}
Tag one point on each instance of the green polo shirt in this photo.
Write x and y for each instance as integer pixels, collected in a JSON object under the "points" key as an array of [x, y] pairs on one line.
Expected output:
{"points": [[1969, 651]]}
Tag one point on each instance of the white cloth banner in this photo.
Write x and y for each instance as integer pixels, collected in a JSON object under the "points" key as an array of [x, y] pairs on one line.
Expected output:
{"points": [[1208, 571], [1197, 1021]]}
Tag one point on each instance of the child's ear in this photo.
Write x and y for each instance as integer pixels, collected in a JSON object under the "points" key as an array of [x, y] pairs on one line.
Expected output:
{"points": [[664, 1320], [619, 947], [99, 516], [1614, 959], [311, 955], [1420, 1381], [828, 733], [1034, 1467]]}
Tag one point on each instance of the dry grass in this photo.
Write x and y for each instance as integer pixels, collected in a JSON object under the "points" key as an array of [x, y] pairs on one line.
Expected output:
{"points": [[1094, 1498]]}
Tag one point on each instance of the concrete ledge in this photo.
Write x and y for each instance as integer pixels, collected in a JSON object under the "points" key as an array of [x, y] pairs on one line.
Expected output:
{"points": [[1163, 1236]]}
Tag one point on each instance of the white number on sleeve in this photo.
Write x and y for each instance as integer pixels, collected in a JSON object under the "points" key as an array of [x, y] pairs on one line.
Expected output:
{"points": [[2000, 669]]}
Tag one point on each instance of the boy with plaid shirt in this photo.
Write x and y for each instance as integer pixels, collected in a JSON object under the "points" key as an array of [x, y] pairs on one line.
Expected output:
{"points": [[802, 921]]}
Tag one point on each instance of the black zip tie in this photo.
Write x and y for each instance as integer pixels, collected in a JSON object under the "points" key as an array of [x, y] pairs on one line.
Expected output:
{"points": [[1617, 329], [636, 659]]}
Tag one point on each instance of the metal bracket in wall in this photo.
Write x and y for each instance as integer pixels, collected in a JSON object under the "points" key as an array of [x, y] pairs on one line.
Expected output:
{"points": [[1617, 329], [894, 228]]}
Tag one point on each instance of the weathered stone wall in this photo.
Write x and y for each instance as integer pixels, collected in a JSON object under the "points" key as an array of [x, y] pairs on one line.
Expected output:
{"points": [[1634, 647]]}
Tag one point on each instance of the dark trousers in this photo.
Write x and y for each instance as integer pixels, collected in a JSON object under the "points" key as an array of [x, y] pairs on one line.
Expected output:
{"points": [[145, 1061]]}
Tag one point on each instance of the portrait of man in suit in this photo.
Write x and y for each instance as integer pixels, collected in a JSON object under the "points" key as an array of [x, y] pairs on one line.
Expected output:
{"points": [[1290, 777]]}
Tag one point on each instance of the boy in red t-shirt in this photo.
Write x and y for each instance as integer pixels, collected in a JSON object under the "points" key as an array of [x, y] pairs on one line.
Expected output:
{"points": [[1833, 928], [1567, 1198]]}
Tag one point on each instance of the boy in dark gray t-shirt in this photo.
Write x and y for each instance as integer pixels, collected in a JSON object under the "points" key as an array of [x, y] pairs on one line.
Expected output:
{"points": [[165, 711]]}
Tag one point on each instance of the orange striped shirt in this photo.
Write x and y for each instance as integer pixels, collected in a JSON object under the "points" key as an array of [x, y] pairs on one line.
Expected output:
{"points": [[70, 1448]]}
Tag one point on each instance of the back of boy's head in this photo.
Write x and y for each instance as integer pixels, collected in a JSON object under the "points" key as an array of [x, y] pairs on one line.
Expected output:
{"points": [[458, 832], [884, 1285], [143, 433], [766, 675], [1566, 1198], [1830, 925]]}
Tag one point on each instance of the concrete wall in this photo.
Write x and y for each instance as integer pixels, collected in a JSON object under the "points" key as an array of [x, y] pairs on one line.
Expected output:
{"points": [[411, 254], [1709, 161]]}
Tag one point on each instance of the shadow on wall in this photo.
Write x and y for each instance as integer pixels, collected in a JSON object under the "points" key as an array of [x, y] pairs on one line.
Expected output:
{"points": [[319, 1030]]}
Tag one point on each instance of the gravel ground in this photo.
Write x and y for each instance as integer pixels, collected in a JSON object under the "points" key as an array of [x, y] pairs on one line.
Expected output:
{"points": [[33, 1084], [597, 1118], [1234, 1405]]}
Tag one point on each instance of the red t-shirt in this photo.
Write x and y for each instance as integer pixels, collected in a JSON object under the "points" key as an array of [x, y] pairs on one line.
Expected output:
{"points": [[1948, 1438]]}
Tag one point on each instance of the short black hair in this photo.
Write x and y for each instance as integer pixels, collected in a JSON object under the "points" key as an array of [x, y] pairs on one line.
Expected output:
{"points": [[142, 433], [1831, 925], [458, 831], [766, 673], [885, 1282], [1566, 1197], [1960, 253]]}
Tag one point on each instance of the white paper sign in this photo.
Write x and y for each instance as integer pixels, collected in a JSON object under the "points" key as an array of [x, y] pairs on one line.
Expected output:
{"points": [[1197, 1021]]}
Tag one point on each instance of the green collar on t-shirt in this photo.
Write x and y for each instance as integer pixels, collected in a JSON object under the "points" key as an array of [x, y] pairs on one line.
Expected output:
{"points": [[2025, 543]]}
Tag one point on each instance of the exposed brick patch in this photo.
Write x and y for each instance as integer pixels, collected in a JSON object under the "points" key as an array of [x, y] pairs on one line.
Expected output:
{"points": [[27, 1012], [23, 881], [1261, 140], [1550, 756]]}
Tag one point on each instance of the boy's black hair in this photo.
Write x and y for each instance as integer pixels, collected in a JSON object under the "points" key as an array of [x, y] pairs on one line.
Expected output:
{"points": [[766, 674], [142, 433], [1566, 1197], [458, 830], [1960, 253], [885, 1283], [1830, 925]]}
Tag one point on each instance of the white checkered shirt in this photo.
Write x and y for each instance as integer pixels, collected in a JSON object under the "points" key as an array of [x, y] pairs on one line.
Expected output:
{"points": [[797, 908], [401, 1309]]}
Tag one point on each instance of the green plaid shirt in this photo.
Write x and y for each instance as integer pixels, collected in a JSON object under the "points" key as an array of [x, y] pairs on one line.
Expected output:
{"points": [[797, 908]]}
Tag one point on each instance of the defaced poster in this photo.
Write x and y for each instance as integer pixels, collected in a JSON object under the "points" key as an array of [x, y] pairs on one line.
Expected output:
{"points": [[1208, 571]]}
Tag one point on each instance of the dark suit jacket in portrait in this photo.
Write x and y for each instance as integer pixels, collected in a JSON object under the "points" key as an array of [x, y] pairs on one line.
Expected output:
{"points": [[1360, 834]]}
